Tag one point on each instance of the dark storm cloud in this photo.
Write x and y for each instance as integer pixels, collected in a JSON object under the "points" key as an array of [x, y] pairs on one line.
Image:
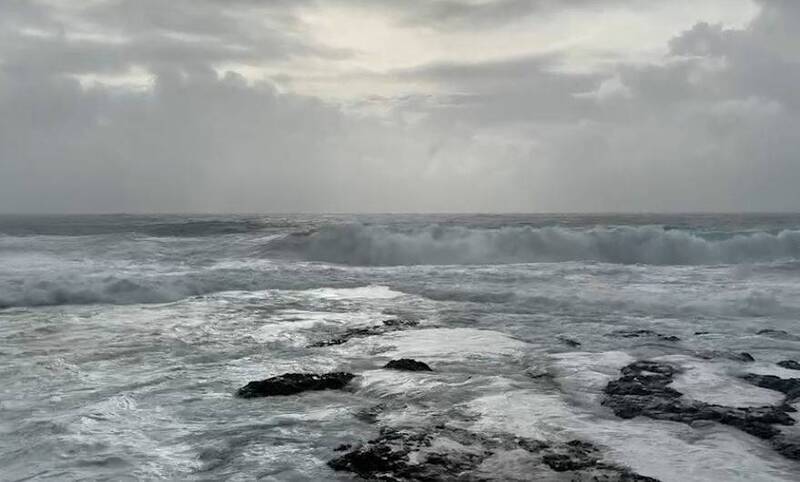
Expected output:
{"points": [[126, 33]]}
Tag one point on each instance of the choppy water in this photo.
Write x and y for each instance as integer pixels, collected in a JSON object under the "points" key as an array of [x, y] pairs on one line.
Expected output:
{"points": [[123, 338]]}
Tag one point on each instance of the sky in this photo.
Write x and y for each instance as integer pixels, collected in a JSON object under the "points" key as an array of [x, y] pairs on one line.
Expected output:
{"points": [[213, 106]]}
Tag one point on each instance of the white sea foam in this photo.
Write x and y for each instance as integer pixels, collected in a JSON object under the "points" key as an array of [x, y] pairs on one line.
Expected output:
{"points": [[717, 383], [379, 245], [449, 344]]}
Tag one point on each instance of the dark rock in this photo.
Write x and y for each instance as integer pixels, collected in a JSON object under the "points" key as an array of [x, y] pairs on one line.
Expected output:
{"points": [[643, 334], [783, 334], [292, 383], [537, 373], [702, 332], [574, 455], [370, 415], [789, 448], [569, 341], [397, 455], [788, 386], [400, 323], [409, 365], [386, 326], [790, 364], [744, 356], [771, 332], [343, 447], [643, 390], [735, 356]]}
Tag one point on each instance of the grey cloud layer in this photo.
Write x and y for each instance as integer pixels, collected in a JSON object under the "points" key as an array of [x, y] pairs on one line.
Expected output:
{"points": [[711, 127]]}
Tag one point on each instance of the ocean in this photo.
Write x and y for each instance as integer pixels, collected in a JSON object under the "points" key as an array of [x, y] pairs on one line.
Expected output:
{"points": [[123, 340]]}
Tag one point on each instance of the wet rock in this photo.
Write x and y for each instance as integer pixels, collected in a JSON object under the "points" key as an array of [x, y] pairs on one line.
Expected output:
{"points": [[399, 323], [790, 364], [743, 356], [408, 364], [386, 326], [643, 334], [730, 355], [450, 454], [370, 415], [643, 390], [537, 373], [574, 455], [788, 386], [771, 332], [569, 341], [292, 383], [783, 334], [786, 446]]}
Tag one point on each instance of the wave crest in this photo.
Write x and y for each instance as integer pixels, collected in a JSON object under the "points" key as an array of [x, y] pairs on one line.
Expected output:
{"points": [[374, 245]]}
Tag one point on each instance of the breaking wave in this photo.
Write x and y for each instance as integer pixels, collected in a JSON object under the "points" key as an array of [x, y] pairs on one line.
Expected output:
{"points": [[375, 245]]}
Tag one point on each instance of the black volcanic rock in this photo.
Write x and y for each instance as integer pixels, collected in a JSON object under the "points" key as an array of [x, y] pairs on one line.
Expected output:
{"points": [[408, 364], [783, 334], [451, 454], [730, 355], [743, 356], [788, 386], [292, 383], [569, 341], [772, 332], [643, 390], [790, 364], [399, 323], [387, 326], [642, 334]]}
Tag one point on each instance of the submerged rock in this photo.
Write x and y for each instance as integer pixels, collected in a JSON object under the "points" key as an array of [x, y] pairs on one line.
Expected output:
{"points": [[743, 356], [409, 365], [777, 334], [730, 355], [569, 341], [790, 364], [292, 383], [788, 386], [643, 390], [450, 454], [772, 332], [386, 327], [643, 334]]}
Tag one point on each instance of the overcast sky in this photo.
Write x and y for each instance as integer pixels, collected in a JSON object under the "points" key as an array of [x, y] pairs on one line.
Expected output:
{"points": [[399, 106]]}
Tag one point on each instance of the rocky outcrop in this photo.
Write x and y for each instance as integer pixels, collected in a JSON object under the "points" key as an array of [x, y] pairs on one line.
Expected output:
{"points": [[409, 365], [292, 383], [742, 356], [773, 333], [788, 386], [569, 341], [643, 390], [642, 334], [452, 454], [386, 326], [790, 364]]}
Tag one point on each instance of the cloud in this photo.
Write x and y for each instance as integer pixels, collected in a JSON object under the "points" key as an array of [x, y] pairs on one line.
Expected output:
{"points": [[113, 36], [709, 126]]}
